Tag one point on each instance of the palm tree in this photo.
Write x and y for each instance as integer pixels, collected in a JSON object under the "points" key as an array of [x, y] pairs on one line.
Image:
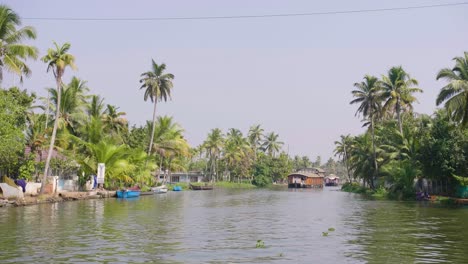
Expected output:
{"points": [[114, 120], [361, 159], [367, 94], [95, 107], [12, 52], [157, 85], [115, 157], [72, 104], [271, 145], [255, 137], [213, 145], [342, 150], [397, 90], [35, 133], [455, 93], [169, 142], [57, 60]]}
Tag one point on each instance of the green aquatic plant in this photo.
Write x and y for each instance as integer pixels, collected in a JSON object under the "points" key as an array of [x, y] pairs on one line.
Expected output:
{"points": [[260, 244], [324, 233], [331, 229]]}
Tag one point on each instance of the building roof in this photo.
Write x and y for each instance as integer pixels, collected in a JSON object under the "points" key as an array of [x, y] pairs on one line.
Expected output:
{"points": [[332, 177], [306, 174]]}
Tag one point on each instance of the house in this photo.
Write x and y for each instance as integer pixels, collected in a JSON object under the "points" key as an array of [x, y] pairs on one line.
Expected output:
{"points": [[305, 180], [175, 177]]}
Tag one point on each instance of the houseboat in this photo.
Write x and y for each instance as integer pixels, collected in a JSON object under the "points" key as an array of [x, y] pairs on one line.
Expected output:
{"points": [[332, 180], [305, 179]]}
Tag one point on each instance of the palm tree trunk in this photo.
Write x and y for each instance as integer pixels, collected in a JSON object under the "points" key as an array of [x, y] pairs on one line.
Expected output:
{"points": [[152, 134], [375, 153], [152, 129], [58, 80], [398, 110], [47, 110], [346, 161]]}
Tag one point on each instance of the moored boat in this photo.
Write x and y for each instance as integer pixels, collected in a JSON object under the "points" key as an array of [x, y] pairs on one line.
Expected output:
{"points": [[201, 187], [128, 193], [159, 189]]}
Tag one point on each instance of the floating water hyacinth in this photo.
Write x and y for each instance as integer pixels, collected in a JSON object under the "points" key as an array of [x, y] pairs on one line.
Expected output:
{"points": [[331, 229], [260, 244]]}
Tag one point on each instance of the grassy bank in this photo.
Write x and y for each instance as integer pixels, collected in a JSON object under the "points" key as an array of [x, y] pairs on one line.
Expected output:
{"points": [[221, 184], [234, 185], [379, 193]]}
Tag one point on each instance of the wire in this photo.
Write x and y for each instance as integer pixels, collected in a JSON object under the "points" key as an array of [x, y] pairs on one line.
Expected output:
{"points": [[247, 16]]}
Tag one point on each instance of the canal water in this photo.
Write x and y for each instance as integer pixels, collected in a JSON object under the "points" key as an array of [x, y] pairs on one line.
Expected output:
{"points": [[223, 226]]}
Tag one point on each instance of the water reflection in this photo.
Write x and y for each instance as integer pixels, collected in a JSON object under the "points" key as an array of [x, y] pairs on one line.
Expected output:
{"points": [[224, 225]]}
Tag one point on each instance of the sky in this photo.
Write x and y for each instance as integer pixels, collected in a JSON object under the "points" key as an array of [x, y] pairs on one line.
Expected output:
{"points": [[292, 75]]}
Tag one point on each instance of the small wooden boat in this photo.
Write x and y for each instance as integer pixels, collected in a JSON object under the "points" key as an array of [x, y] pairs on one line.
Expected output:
{"points": [[201, 187], [128, 193], [159, 189], [146, 193]]}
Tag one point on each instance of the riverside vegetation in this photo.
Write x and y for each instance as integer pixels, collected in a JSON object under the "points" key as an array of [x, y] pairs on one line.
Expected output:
{"points": [[80, 130], [400, 145], [71, 130]]}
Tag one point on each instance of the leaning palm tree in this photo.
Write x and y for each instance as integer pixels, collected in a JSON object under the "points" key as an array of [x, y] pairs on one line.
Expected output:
{"points": [[397, 92], [157, 85], [271, 145], [12, 53], [367, 95], [57, 60], [455, 93]]}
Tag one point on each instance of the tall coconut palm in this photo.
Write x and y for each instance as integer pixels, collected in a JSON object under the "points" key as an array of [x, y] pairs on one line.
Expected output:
{"points": [[397, 92], [57, 60], [213, 145], [455, 93], [367, 95], [255, 138], [12, 53], [271, 145], [157, 85]]}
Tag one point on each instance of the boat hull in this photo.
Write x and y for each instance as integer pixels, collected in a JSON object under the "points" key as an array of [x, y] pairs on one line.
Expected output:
{"points": [[127, 193], [159, 189], [201, 187]]}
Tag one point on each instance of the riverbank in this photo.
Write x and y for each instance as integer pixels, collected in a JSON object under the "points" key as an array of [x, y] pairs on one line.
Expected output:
{"points": [[55, 198], [74, 196], [382, 193]]}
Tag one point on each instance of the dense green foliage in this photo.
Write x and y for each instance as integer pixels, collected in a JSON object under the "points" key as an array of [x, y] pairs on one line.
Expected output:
{"points": [[400, 146], [14, 106]]}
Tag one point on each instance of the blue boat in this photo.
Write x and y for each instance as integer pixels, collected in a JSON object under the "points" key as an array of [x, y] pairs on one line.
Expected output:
{"points": [[128, 193], [177, 188]]}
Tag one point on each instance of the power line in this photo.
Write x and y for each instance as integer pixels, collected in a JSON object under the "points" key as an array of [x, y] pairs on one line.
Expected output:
{"points": [[248, 16]]}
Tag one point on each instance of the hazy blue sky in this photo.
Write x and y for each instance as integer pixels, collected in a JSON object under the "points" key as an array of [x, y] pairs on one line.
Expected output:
{"points": [[292, 75]]}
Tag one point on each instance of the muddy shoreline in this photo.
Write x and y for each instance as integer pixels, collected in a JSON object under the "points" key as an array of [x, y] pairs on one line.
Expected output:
{"points": [[55, 198]]}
